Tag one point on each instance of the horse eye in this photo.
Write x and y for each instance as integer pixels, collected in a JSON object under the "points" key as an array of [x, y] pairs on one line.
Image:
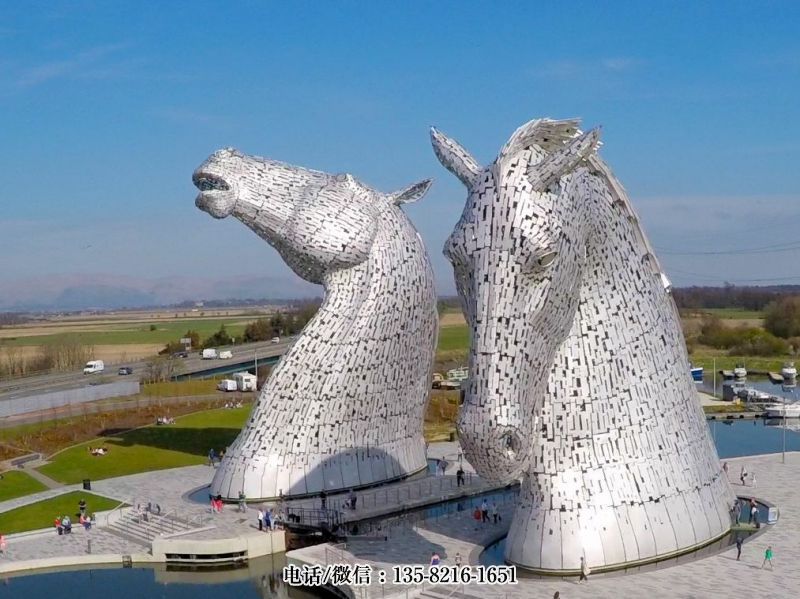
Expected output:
{"points": [[547, 259]]}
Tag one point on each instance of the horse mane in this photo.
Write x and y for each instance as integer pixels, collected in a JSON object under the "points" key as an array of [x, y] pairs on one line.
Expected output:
{"points": [[550, 135], [598, 167]]}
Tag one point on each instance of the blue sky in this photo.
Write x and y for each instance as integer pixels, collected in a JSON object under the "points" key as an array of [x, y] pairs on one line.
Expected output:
{"points": [[107, 108]]}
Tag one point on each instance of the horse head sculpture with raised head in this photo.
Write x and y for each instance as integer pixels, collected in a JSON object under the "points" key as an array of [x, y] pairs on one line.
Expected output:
{"points": [[344, 407]]}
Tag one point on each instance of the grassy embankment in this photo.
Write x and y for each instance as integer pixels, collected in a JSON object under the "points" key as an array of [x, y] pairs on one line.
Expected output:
{"points": [[185, 443], [16, 484], [42, 513]]}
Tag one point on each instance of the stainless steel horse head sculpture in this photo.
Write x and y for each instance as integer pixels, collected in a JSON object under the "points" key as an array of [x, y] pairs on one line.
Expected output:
{"points": [[345, 405], [579, 379]]}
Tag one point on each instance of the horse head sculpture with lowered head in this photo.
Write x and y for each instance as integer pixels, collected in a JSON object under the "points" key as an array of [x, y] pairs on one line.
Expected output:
{"points": [[579, 378]]}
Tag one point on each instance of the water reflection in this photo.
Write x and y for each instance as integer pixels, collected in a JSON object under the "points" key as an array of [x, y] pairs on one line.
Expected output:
{"points": [[258, 579]]}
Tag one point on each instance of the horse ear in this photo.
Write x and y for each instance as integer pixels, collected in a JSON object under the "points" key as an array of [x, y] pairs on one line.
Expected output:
{"points": [[455, 158], [561, 162], [412, 193]]}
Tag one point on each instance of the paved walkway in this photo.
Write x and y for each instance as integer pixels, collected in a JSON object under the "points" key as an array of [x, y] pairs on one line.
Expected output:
{"points": [[169, 487], [45, 480], [716, 576]]}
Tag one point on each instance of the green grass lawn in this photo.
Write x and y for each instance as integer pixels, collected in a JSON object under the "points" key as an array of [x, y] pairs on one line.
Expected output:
{"points": [[42, 513], [734, 313], [16, 483], [185, 443], [120, 334], [453, 337]]}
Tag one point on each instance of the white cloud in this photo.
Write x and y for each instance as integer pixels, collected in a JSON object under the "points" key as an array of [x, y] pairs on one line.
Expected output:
{"points": [[87, 63]]}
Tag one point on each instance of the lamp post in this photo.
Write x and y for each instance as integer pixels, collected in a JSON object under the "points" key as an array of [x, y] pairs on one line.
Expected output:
{"points": [[783, 453], [714, 368]]}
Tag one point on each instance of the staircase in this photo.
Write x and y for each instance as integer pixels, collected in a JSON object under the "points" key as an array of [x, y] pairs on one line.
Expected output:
{"points": [[142, 528]]}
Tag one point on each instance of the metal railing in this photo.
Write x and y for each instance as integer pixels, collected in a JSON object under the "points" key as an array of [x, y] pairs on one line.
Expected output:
{"points": [[431, 486]]}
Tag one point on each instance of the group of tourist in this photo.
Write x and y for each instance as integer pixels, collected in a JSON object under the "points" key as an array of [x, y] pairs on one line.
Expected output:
{"points": [[744, 506], [165, 420], [743, 475], [266, 520], [482, 513], [233, 404], [214, 457], [216, 503]]}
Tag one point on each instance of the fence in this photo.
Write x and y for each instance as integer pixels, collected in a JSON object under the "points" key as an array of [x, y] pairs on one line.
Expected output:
{"points": [[67, 397]]}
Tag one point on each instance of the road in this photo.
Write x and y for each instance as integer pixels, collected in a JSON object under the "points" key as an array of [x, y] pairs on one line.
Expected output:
{"points": [[43, 383]]}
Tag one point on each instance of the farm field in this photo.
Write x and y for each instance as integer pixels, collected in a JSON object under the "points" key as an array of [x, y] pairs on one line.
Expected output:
{"points": [[122, 334]]}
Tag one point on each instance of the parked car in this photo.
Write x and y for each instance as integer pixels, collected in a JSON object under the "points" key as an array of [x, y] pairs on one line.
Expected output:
{"points": [[225, 354], [181, 354], [276, 339], [125, 370]]}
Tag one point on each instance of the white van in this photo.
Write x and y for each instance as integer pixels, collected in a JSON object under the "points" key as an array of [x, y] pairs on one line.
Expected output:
{"points": [[225, 354], [93, 366], [209, 354], [226, 385]]}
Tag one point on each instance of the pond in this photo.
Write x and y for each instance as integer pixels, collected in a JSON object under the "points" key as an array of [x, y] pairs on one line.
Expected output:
{"points": [[259, 579], [737, 438]]}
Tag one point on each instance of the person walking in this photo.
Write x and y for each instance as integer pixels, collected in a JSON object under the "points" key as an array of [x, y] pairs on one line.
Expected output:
{"points": [[82, 506], [2, 544], [353, 499], [494, 512], [753, 480], [743, 475], [323, 499], [725, 468], [260, 519], [58, 525], [753, 515], [459, 476], [457, 560], [242, 502], [767, 557], [585, 570], [435, 559], [212, 455], [484, 511], [738, 548]]}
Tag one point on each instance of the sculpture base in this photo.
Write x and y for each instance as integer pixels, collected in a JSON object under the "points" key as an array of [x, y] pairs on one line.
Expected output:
{"points": [[620, 566], [609, 537], [265, 478]]}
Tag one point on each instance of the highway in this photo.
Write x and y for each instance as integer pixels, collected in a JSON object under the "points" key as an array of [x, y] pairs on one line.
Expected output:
{"points": [[193, 365]]}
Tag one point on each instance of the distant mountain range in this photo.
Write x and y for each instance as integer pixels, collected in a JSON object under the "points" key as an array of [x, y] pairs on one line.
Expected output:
{"points": [[111, 292]]}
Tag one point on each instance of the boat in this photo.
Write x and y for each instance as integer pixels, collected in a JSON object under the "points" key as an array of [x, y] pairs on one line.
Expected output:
{"points": [[740, 372], [789, 374], [783, 410], [697, 373]]}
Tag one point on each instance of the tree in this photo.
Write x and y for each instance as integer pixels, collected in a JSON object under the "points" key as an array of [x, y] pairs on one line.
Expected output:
{"points": [[221, 337], [782, 317], [258, 330]]}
